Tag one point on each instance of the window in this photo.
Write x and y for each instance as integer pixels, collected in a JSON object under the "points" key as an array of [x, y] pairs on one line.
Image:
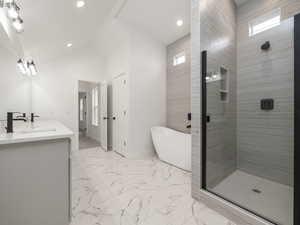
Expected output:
{"points": [[95, 106], [81, 109], [179, 59], [265, 22]]}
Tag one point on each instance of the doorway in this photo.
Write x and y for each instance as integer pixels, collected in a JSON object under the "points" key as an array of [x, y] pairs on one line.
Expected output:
{"points": [[89, 115]]}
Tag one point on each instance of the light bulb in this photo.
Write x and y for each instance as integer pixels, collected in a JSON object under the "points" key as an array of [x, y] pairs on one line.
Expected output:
{"points": [[32, 68], [179, 23], [22, 67], [18, 25], [8, 1], [13, 12], [80, 4]]}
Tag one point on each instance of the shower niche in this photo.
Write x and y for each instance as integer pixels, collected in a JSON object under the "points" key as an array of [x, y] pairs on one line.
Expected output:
{"points": [[224, 85], [220, 80]]}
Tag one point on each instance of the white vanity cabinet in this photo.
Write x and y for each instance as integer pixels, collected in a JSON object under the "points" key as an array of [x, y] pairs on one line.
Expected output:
{"points": [[35, 178]]}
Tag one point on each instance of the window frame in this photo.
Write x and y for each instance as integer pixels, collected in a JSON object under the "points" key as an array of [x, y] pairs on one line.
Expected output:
{"points": [[265, 22], [177, 57]]}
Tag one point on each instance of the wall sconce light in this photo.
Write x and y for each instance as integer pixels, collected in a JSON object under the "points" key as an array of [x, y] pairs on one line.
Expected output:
{"points": [[32, 68], [28, 68], [22, 67]]}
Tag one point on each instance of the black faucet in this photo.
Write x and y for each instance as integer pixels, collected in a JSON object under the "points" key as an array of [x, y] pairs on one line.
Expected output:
{"points": [[10, 119], [32, 117]]}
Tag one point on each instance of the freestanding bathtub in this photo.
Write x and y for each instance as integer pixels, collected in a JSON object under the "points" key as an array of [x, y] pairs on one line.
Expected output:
{"points": [[172, 147]]}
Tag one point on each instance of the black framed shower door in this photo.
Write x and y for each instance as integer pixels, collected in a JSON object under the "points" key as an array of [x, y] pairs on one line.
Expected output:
{"points": [[204, 120]]}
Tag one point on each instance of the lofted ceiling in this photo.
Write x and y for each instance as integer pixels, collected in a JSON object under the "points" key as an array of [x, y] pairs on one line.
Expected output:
{"points": [[51, 24], [159, 17]]}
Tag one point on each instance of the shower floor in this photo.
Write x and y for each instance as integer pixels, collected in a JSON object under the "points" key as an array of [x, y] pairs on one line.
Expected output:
{"points": [[267, 198]]}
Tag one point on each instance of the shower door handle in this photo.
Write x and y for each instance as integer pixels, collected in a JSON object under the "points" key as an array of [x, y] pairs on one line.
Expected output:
{"points": [[208, 118]]}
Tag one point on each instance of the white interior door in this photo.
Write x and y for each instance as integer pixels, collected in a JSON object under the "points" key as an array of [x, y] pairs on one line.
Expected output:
{"points": [[120, 114], [103, 115]]}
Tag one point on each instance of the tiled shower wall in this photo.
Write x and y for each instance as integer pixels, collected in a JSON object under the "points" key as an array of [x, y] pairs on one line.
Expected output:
{"points": [[179, 86], [265, 138]]}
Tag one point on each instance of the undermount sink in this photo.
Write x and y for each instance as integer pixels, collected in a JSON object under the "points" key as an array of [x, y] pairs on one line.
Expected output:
{"points": [[35, 130]]}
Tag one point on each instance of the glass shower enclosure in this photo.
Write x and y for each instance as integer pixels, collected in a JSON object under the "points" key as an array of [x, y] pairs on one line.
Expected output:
{"points": [[249, 114]]}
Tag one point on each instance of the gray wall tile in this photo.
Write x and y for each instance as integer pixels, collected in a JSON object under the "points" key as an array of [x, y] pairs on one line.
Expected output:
{"points": [[179, 86], [265, 138]]}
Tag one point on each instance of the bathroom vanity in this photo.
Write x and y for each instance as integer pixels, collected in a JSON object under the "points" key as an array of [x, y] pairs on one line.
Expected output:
{"points": [[35, 174]]}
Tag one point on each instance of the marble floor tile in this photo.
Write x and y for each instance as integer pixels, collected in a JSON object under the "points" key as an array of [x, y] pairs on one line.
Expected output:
{"points": [[108, 189]]}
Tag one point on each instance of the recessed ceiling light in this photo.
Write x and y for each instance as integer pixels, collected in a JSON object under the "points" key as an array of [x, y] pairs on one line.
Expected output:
{"points": [[69, 45], [80, 3], [179, 23]]}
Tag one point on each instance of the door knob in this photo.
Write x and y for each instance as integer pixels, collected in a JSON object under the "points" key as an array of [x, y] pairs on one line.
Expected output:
{"points": [[114, 118]]}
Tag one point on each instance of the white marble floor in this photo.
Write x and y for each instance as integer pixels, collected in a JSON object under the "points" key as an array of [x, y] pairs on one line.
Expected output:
{"points": [[111, 190], [275, 201]]}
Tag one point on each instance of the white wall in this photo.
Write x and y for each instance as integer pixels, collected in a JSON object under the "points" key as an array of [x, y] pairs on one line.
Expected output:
{"points": [[147, 105], [55, 89], [143, 59], [113, 43]]}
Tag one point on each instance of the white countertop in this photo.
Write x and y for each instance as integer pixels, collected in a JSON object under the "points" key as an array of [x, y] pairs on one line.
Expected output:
{"points": [[38, 131]]}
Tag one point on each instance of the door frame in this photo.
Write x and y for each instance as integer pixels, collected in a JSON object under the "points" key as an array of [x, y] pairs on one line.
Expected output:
{"points": [[296, 118], [104, 117]]}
